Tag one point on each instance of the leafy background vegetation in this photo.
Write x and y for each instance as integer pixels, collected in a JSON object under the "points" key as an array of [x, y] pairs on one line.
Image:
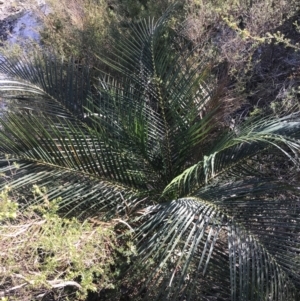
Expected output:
{"points": [[249, 78], [252, 45]]}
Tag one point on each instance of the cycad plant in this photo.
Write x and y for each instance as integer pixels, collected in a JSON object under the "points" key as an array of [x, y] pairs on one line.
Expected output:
{"points": [[214, 213]]}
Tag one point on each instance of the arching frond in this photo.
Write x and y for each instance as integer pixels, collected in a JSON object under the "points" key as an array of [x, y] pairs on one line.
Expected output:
{"points": [[65, 84], [232, 150], [204, 249]]}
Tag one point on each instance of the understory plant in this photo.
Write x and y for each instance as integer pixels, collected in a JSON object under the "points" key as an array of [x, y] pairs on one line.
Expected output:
{"points": [[47, 257], [214, 211]]}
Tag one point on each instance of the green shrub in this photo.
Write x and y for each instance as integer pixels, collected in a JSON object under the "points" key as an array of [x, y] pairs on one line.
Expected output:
{"points": [[43, 253]]}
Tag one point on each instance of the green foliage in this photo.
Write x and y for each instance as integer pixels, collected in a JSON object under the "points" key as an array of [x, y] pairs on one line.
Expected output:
{"points": [[214, 212], [42, 252], [77, 28], [8, 208], [237, 38], [252, 43], [82, 28]]}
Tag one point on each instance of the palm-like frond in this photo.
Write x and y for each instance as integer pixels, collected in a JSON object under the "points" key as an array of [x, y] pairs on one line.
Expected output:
{"points": [[233, 149], [139, 138], [58, 87], [236, 248], [54, 143]]}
